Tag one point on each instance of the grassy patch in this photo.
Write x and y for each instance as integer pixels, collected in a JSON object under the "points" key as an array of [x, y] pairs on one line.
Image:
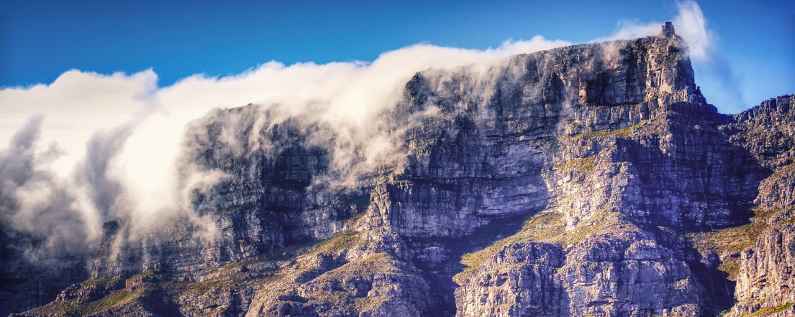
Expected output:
{"points": [[338, 242], [101, 282], [601, 221], [729, 240], [544, 227], [625, 132], [730, 266], [205, 286], [548, 224], [367, 304], [732, 240], [57, 309], [767, 311], [381, 263], [74, 307], [581, 164], [115, 299], [227, 276], [378, 262], [726, 242]]}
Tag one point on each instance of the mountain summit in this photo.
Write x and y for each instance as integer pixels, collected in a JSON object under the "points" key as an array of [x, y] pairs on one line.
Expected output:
{"points": [[587, 180]]}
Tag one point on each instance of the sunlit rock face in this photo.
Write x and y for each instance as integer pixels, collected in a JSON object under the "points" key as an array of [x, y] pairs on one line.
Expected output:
{"points": [[589, 180]]}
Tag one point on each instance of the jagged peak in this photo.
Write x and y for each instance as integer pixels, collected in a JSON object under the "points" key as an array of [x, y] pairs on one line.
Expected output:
{"points": [[618, 72], [783, 103]]}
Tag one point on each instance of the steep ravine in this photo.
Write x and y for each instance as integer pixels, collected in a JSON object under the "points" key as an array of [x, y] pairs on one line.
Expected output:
{"points": [[589, 180]]}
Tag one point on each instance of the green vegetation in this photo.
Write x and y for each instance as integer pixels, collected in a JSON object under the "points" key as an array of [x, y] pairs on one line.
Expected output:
{"points": [[767, 311], [338, 242], [545, 227], [205, 286], [56, 309], [227, 276], [732, 240], [378, 262], [729, 240], [115, 299], [618, 133], [548, 224], [366, 304], [581, 164], [381, 263], [100, 282]]}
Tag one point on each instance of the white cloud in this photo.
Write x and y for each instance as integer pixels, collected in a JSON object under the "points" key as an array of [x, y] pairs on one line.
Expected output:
{"points": [[76, 105], [689, 24], [84, 114], [713, 71]]}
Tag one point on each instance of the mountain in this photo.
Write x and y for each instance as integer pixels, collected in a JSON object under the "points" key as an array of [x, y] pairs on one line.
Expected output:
{"points": [[589, 180]]}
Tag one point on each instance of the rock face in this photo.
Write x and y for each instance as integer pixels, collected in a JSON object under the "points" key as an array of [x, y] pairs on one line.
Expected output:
{"points": [[25, 283], [764, 278], [590, 180], [520, 280]]}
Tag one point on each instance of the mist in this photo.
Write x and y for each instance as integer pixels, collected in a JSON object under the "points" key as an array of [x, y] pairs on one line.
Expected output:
{"points": [[35, 201], [90, 148], [708, 63]]}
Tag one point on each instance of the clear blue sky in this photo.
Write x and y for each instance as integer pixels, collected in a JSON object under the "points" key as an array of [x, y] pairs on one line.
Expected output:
{"points": [[41, 39]]}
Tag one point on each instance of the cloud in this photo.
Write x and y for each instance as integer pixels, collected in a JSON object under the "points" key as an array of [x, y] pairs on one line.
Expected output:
{"points": [[119, 137], [100, 189], [721, 85], [113, 146], [689, 24], [77, 104], [34, 201]]}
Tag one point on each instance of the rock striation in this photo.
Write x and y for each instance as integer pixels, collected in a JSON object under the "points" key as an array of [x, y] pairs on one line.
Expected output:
{"points": [[589, 180]]}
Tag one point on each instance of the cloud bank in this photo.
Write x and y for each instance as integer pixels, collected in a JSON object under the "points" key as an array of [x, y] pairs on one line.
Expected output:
{"points": [[89, 148], [692, 26], [118, 137]]}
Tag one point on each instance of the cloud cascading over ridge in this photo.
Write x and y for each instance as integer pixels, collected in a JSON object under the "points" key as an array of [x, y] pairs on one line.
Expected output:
{"points": [[689, 23], [692, 26], [107, 146], [33, 199]]}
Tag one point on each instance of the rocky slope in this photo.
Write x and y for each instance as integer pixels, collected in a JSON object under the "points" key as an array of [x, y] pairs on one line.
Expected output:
{"points": [[590, 180]]}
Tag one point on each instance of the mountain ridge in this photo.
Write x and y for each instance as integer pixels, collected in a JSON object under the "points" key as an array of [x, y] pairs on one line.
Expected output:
{"points": [[572, 181]]}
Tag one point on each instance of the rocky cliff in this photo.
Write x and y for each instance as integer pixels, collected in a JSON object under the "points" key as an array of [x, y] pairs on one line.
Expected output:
{"points": [[589, 180]]}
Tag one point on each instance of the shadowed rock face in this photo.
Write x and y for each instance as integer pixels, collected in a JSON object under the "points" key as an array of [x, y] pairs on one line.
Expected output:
{"points": [[590, 180]]}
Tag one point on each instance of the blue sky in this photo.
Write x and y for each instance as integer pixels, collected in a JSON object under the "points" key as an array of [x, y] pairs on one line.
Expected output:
{"points": [[39, 40]]}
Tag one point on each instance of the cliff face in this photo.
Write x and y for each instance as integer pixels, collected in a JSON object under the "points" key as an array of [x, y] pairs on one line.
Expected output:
{"points": [[585, 180], [764, 273]]}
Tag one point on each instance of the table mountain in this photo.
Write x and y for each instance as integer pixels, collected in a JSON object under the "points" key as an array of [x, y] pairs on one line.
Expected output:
{"points": [[588, 180]]}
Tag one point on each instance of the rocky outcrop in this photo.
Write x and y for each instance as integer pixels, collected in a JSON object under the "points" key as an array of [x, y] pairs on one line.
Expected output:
{"points": [[767, 131], [520, 280], [586, 180], [338, 282], [764, 278]]}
